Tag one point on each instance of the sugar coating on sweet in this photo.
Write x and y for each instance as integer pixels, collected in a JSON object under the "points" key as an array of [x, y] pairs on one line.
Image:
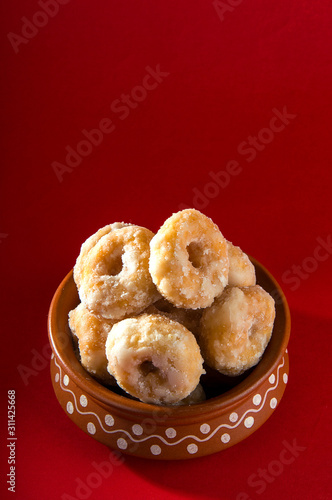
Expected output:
{"points": [[91, 333], [189, 260], [154, 358], [89, 244], [151, 302], [236, 329], [241, 270], [115, 281]]}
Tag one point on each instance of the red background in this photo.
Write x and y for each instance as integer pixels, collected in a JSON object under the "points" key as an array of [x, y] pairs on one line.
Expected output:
{"points": [[227, 73]]}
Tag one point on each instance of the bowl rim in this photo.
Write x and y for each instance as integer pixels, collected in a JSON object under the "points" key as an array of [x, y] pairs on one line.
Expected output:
{"points": [[182, 414]]}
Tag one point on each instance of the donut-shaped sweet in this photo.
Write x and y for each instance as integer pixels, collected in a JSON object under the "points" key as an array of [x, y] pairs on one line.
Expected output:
{"points": [[154, 359], [189, 260], [89, 244], [91, 333], [115, 281], [241, 270], [236, 329]]}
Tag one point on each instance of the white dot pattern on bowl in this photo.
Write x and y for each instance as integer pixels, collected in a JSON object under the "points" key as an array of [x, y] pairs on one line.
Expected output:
{"points": [[70, 407], [204, 432], [137, 429], [225, 438], [233, 417], [170, 432], [273, 403], [192, 448], [257, 399], [205, 428], [155, 449], [83, 401], [122, 443], [249, 422], [109, 420], [91, 428]]}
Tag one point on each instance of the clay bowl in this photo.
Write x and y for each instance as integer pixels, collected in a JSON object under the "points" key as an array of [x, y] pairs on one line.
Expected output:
{"points": [[234, 409]]}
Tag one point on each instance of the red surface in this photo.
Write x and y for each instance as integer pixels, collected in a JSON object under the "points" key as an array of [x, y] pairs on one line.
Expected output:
{"points": [[224, 78]]}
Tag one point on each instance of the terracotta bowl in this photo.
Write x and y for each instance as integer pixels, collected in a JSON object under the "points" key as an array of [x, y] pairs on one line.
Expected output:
{"points": [[234, 409]]}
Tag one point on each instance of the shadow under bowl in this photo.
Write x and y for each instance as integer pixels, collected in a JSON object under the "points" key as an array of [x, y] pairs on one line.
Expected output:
{"points": [[235, 408]]}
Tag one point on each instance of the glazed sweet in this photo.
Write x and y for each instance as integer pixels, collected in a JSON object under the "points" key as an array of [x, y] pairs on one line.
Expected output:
{"points": [[189, 260], [89, 244], [154, 359], [115, 281], [236, 329], [91, 333], [241, 270]]}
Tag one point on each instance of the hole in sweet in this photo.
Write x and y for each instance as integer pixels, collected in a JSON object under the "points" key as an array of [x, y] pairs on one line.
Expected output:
{"points": [[195, 253], [148, 367], [115, 265]]}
